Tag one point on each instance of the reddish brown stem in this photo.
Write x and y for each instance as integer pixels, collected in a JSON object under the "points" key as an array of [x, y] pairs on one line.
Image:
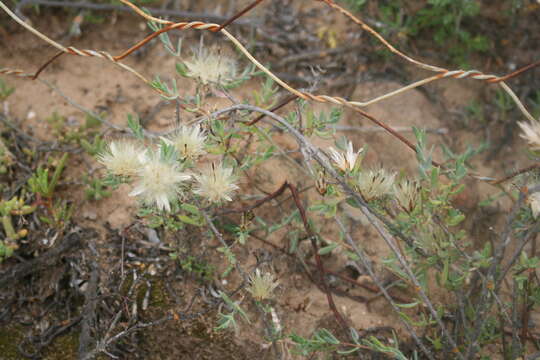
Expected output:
{"points": [[516, 173], [369, 287], [515, 73], [284, 102], [147, 39], [241, 13], [318, 259], [312, 237], [42, 67], [391, 131]]}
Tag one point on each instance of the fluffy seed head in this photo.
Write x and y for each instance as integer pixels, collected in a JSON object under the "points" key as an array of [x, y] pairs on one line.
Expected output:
{"points": [[122, 158], [261, 286], [188, 141], [373, 184], [531, 133], [208, 67], [407, 194], [534, 202], [158, 182], [345, 161], [216, 183]]}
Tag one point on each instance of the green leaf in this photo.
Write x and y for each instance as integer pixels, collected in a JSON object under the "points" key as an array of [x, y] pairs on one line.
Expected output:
{"points": [[455, 217], [135, 126], [327, 249], [56, 175], [293, 241], [190, 208], [189, 220], [352, 201], [408, 306], [327, 336], [181, 69]]}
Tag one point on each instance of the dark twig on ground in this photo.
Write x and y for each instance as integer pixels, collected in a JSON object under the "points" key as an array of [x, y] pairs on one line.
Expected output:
{"points": [[47, 259], [89, 311], [38, 343]]}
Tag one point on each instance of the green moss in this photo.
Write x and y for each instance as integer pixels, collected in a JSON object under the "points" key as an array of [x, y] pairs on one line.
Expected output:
{"points": [[63, 347], [159, 296], [10, 337]]}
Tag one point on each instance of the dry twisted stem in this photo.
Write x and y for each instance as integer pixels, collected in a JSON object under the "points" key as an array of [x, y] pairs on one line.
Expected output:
{"points": [[354, 105], [63, 50], [442, 72]]}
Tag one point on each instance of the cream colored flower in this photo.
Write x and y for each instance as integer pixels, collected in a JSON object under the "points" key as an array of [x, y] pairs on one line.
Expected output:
{"points": [[158, 182], [122, 158], [216, 183], [531, 133], [261, 286], [188, 141], [407, 194], [534, 202], [345, 161], [373, 184], [208, 67]]}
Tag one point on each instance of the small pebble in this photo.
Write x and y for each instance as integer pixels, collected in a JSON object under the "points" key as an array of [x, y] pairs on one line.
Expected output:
{"points": [[90, 215], [152, 236]]}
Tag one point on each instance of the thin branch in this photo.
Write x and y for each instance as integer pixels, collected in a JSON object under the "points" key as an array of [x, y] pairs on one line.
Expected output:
{"points": [[240, 14], [516, 173], [366, 264], [311, 151]]}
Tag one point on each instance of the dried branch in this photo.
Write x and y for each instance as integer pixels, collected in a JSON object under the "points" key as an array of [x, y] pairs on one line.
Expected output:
{"points": [[366, 264], [47, 259], [89, 311]]}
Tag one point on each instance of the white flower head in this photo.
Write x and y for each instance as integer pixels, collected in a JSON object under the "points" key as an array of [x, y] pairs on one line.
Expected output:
{"points": [[216, 183], [158, 182], [208, 67], [345, 161], [534, 202], [188, 141], [261, 286], [122, 158], [407, 194], [531, 133], [373, 184]]}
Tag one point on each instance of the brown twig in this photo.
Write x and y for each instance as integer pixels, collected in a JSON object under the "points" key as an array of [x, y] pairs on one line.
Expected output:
{"points": [[515, 73], [368, 287], [239, 14], [89, 311], [318, 259], [313, 239], [42, 67], [281, 104], [45, 260], [516, 173]]}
